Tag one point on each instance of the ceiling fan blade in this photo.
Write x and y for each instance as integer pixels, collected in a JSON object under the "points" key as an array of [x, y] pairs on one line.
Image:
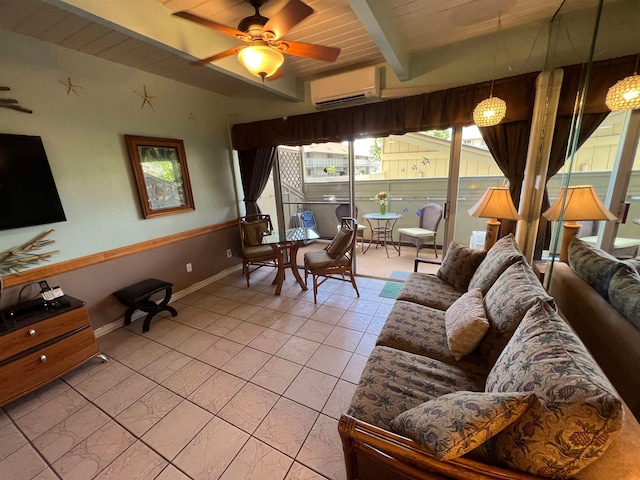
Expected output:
{"points": [[8, 100], [217, 56], [318, 52], [209, 24], [16, 107], [291, 14]]}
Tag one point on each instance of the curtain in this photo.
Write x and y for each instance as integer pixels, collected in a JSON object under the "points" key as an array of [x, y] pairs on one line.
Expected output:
{"points": [[430, 111], [557, 157], [255, 167], [508, 144]]}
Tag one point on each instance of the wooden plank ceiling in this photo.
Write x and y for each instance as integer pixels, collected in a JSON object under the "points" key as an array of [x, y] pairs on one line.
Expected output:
{"points": [[368, 32]]}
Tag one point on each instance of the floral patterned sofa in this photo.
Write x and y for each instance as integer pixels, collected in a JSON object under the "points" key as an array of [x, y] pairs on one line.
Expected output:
{"points": [[512, 394]]}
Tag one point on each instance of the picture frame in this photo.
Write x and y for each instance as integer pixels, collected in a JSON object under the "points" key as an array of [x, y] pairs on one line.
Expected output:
{"points": [[162, 176]]}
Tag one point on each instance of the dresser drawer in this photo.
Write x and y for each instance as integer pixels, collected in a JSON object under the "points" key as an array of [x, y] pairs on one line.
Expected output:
{"points": [[40, 367], [37, 333]]}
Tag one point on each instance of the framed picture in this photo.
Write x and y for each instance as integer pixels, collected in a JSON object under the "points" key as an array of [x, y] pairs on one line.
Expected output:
{"points": [[160, 168]]}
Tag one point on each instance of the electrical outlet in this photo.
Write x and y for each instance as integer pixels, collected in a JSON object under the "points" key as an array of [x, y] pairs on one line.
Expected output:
{"points": [[189, 268], [229, 254]]}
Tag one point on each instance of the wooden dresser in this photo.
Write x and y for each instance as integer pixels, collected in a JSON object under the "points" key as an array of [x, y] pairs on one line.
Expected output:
{"points": [[39, 344]]}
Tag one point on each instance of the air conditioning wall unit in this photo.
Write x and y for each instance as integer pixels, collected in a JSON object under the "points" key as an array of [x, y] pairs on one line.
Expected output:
{"points": [[357, 86]]}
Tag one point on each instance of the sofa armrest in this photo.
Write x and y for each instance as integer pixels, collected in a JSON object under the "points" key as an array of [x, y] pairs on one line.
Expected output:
{"points": [[376, 454], [423, 260]]}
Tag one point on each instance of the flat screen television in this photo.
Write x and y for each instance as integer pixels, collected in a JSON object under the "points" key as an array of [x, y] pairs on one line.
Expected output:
{"points": [[28, 193]]}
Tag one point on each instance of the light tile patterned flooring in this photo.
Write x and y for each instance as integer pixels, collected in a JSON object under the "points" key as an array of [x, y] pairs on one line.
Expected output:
{"points": [[240, 385]]}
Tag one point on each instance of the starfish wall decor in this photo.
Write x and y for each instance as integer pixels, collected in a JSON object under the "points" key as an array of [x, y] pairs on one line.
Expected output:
{"points": [[70, 86], [146, 98]]}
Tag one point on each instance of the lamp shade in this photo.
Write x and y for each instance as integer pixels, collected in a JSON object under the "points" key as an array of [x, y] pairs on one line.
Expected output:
{"points": [[624, 95], [489, 112], [261, 60], [582, 203], [495, 203]]}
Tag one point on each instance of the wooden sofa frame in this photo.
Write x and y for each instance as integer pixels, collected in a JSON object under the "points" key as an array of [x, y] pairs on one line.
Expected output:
{"points": [[372, 453]]}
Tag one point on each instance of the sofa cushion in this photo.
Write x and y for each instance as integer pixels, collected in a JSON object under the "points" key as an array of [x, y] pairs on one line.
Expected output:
{"points": [[466, 323], [421, 330], [428, 290], [505, 252], [506, 303], [394, 381], [459, 264], [593, 265], [456, 423], [577, 412], [634, 263], [624, 294]]}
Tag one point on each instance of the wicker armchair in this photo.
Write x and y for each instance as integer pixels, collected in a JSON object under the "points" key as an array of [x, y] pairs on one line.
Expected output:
{"points": [[252, 228], [427, 229], [336, 260]]}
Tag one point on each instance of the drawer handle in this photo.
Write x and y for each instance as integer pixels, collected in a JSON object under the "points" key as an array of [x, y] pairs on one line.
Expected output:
{"points": [[32, 332], [43, 358]]}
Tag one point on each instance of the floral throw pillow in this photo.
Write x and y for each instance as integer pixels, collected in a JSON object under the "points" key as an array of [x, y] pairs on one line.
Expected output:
{"points": [[459, 265], [452, 425], [466, 323]]}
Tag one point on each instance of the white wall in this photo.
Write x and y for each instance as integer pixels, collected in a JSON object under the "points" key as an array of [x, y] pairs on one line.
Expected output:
{"points": [[83, 138]]}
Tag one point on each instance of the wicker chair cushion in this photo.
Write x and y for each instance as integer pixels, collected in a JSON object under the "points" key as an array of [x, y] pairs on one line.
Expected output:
{"points": [[258, 251], [321, 258], [341, 242], [253, 231]]}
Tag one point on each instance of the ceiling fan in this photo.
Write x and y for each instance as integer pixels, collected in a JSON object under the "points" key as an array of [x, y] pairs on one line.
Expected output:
{"points": [[263, 54]]}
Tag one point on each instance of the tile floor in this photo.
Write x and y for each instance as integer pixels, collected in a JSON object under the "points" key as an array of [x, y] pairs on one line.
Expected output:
{"points": [[240, 385]]}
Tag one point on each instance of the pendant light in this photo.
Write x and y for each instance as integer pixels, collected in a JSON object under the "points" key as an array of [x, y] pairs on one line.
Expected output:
{"points": [[625, 95], [491, 110]]}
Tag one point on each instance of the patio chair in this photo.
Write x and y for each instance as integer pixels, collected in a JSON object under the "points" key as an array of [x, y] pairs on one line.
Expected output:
{"points": [[430, 216], [343, 211], [336, 260], [252, 229]]}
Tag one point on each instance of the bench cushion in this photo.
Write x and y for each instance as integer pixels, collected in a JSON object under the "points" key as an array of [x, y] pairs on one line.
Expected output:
{"points": [[394, 381], [428, 290], [577, 412], [141, 290]]}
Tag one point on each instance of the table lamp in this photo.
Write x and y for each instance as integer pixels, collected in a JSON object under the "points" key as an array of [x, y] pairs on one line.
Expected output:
{"points": [[495, 203], [581, 203]]}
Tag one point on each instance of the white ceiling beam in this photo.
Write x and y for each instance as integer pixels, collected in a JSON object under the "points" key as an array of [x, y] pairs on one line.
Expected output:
{"points": [[377, 19]]}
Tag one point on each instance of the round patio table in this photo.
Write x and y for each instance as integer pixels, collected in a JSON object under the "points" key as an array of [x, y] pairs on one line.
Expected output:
{"points": [[383, 230]]}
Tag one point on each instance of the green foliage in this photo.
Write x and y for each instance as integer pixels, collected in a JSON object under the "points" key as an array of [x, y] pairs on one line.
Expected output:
{"points": [[375, 150], [445, 134]]}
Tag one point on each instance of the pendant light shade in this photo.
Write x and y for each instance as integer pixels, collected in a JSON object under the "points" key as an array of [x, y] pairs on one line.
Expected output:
{"points": [[489, 112], [625, 95], [261, 60]]}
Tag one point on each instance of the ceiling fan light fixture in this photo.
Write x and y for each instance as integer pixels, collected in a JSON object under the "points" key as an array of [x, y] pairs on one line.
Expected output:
{"points": [[261, 60], [489, 112]]}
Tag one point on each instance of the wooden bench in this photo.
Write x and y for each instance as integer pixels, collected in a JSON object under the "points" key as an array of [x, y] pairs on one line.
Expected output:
{"points": [[136, 297]]}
